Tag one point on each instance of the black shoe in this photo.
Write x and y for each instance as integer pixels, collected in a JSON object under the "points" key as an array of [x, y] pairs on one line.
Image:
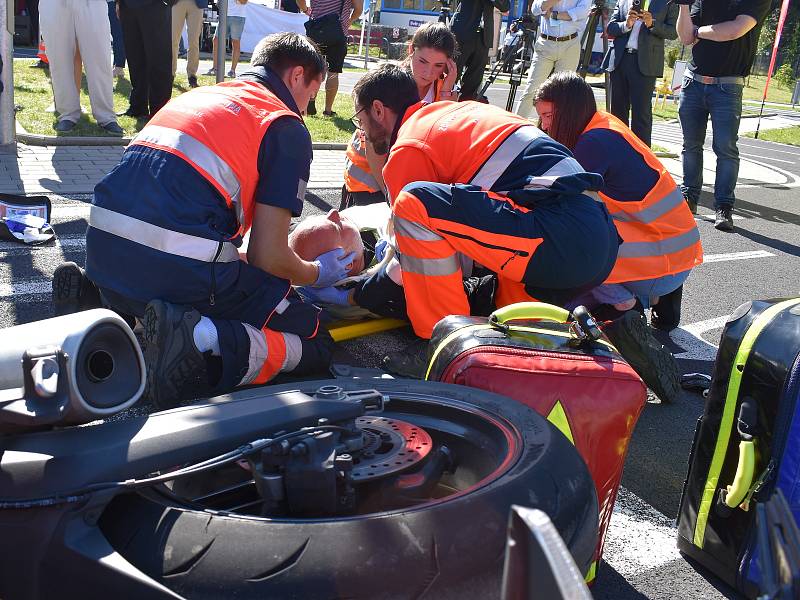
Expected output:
{"points": [[666, 315], [723, 218], [692, 204], [311, 109], [130, 113], [648, 357], [73, 291], [193, 81], [176, 369], [410, 362], [40, 64], [113, 128], [65, 125]]}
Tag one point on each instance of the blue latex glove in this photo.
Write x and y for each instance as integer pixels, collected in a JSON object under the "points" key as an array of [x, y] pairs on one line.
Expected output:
{"points": [[326, 295], [380, 249], [332, 266]]}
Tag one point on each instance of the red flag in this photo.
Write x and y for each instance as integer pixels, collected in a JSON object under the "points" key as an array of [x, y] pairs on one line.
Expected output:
{"points": [[781, 20]]}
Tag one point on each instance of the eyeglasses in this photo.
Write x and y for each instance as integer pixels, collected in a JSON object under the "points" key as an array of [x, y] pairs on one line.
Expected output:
{"points": [[355, 120]]}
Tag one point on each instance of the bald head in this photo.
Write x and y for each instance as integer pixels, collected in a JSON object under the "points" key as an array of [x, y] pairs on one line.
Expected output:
{"points": [[321, 233]]}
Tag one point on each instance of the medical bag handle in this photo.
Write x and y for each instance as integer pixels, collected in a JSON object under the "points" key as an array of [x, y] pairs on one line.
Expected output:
{"points": [[586, 328], [747, 426]]}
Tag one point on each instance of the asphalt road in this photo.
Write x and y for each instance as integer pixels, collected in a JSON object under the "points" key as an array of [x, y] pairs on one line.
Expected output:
{"points": [[760, 260]]}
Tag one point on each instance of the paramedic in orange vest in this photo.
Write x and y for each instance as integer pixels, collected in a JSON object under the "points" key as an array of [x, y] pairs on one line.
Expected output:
{"points": [[470, 179], [661, 242], [431, 55], [166, 224]]}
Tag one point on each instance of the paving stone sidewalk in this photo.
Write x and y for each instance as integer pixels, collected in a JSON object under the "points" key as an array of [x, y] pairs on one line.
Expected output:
{"points": [[77, 169]]}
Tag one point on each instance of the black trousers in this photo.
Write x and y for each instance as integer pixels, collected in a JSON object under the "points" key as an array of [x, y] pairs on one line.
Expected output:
{"points": [[471, 62], [632, 92], [147, 31]]}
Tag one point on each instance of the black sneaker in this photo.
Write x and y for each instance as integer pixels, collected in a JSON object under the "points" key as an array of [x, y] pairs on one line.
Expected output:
{"points": [[648, 357], [666, 315], [410, 362], [193, 81], [311, 109], [723, 218], [176, 369], [73, 291], [692, 204]]}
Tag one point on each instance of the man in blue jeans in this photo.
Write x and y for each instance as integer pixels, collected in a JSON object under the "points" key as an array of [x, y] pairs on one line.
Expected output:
{"points": [[724, 38]]}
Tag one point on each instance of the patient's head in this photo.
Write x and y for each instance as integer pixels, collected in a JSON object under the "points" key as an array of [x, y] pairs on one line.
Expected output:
{"points": [[319, 234]]}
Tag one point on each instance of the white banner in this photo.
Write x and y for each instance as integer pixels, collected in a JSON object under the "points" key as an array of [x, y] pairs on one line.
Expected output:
{"points": [[261, 20]]}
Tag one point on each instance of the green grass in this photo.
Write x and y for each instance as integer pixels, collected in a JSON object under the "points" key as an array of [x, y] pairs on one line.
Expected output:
{"points": [[754, 88], [33, 92], [789, 135]]}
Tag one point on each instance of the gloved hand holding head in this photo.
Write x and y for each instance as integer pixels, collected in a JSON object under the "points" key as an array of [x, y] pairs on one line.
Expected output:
{"points": [[319, 234]]}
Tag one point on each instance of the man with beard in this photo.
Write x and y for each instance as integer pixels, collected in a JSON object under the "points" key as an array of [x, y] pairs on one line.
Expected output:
{"points": [[471, 179]]}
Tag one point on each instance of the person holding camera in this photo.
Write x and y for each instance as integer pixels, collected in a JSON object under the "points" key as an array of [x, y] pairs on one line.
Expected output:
{"points": [[635, 58], [473, 24], [724, 39], [558, 47]]}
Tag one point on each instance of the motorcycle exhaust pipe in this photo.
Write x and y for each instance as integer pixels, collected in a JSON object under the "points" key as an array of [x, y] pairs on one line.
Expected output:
{"points": [[68, 370]]}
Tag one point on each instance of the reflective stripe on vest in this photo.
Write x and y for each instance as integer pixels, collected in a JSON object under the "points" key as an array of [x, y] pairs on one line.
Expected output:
{"points": [[498, 162], [161, 239], [357, 175], [659, 233], [414, 230], [218, 130], [430, 267]]}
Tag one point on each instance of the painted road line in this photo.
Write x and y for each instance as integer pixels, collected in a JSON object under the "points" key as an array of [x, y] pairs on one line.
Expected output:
{"points": [[640, 539], [740, 143], [711, 258], [65, 242], [25, 287], [790, 162], [690, 338], [710, 217]]}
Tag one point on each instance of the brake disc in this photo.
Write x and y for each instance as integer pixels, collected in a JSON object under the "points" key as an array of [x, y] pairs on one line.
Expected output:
{"points": [[390, 446]]}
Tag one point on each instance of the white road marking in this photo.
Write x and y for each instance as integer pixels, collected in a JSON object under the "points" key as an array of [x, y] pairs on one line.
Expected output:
{"points": [[25, 287], [639, 538], [710, 218], [712, 258], [65, 242], [790, 162], [795, 153], [690, 338]]}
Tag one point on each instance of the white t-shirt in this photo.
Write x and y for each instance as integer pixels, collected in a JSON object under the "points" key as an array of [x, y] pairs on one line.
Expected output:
{"points": [[236, 10]]}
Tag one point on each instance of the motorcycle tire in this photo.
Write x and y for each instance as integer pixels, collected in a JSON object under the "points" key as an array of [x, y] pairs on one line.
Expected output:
{"points": [[447, 548]]}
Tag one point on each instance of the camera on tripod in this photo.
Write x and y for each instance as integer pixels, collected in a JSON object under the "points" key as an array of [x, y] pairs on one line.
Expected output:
{"points": [[445, 11]]}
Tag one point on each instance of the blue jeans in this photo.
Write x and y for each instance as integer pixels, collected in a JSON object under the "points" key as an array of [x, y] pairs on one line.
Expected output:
{"points": [[645, 290], [116, 36], [724, 103]]}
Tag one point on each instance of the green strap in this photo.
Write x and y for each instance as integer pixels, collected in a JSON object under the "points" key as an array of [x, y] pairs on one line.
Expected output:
{"points": [[729, 413]]}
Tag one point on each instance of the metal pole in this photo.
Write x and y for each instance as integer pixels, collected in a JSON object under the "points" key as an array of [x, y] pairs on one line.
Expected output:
{"points": [[222, 40], [369, 27], [7, 120]]}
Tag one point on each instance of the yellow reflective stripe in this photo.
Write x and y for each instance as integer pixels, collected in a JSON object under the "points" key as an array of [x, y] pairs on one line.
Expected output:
{"points": [[517, 328], [558, 417], [433, 267], [161, 239], [654, 211], [661, 247], [592, 572], [498, 162], [729, 413], [197, 152], [415, 231]]}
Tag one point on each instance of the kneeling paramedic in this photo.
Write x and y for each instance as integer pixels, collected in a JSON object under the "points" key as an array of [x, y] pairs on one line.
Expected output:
{"points": [[166, 224], [474, 180]]}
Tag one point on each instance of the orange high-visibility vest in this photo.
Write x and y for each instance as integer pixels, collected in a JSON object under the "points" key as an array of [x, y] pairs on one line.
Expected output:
{"points": [[357, 174], [659, 233], [218, 130]]}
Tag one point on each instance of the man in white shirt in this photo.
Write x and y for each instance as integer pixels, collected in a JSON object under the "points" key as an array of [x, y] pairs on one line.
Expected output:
{"points": [[237, 11], [558, 46]]}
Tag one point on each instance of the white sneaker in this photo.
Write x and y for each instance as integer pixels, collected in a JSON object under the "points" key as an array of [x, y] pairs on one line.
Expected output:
{"points": [[119, 72]]}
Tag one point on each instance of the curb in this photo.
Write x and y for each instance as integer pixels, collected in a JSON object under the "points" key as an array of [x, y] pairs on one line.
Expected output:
{"points": [[32, 139]]}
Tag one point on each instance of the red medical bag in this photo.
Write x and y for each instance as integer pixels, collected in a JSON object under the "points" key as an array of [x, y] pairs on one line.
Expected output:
{"points": [[530, 352]]}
